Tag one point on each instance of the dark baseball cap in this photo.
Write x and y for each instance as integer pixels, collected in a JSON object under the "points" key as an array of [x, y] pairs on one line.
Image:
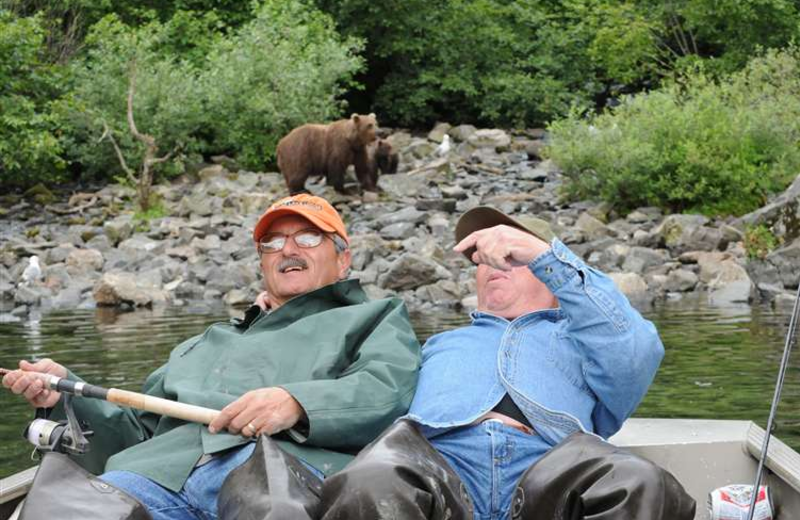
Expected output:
{"points": [[483, 217]]}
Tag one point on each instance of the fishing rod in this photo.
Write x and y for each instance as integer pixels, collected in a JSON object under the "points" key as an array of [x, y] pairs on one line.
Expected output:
{"points": [[787, 348], [147, 403]]}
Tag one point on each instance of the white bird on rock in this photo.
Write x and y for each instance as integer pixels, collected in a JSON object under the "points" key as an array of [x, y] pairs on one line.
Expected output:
{"points": [[32, 273], [444, 147]]}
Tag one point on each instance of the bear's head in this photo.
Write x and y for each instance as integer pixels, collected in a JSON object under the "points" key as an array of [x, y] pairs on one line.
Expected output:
{"points": [[364, 128]]}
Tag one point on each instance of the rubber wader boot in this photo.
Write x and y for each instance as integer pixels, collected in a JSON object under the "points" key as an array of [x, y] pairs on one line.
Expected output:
{"points": [[400, 476], [62, 489], [271, 484], [586, 477]]}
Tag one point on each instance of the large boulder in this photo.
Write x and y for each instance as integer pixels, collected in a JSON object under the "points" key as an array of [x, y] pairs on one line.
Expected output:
{"points": [[86, 260], [781, 215], [127, 288], [410, 271]]}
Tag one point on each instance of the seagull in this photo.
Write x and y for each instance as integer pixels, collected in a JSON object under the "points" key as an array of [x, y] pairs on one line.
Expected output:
{"points": [[33, 272], [443, 148]]}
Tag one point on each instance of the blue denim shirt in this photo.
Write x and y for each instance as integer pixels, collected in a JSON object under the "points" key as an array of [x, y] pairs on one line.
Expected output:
{"points": [[584, 366]]}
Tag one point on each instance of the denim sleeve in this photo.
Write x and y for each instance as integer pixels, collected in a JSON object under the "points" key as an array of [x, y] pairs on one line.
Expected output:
{"points": [[621, 350]]}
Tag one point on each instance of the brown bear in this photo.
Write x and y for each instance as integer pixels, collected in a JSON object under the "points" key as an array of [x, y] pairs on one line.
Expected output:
{"points": [[381, 157], [314, 149]]}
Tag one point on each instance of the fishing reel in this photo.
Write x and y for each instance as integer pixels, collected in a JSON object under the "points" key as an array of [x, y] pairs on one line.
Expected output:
{"points": [[65, 436]]}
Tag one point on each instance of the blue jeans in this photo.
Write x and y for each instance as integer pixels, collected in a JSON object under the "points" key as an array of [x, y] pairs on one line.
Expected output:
{"points": [[197, 499], [490, 458]]}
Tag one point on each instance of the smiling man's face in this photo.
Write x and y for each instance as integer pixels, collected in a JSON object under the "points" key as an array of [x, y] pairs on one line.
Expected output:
{"points": [[295, 270], [510, 294]]}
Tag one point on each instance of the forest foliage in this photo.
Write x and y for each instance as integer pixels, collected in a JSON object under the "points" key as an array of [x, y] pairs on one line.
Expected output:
{"points": [[229, 77]]}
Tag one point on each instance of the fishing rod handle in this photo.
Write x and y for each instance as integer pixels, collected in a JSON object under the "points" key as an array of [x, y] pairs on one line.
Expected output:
{"points": [[148, 403]]}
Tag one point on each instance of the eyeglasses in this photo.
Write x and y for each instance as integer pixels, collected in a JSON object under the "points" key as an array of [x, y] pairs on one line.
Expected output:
{"points": [[305, 238]]}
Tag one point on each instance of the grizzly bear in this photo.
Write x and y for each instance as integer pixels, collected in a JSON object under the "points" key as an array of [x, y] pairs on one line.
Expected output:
{"points": [[381, 157], [315, 149]]}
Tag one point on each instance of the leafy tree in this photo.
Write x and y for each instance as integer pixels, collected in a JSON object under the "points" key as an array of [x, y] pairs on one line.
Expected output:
{"points": [[285, 67], [30, 148], [168, 103]]}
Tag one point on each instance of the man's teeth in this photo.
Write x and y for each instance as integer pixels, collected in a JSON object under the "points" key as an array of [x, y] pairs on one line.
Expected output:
{"points": [[293, 268]]}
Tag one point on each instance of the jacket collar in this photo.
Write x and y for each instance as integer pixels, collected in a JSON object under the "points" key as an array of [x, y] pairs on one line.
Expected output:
{"points": [[337, 294]]}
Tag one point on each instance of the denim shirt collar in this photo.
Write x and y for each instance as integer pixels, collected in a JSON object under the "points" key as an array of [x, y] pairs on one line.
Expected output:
{"points": [[553, 315]]}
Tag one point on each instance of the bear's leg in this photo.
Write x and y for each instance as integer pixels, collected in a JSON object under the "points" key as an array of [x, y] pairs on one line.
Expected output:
{"points": [[335, 178], [296, 183]]}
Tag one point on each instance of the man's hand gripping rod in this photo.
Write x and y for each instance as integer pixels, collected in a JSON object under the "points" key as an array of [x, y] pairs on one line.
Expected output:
{"points": [[186, 412]]}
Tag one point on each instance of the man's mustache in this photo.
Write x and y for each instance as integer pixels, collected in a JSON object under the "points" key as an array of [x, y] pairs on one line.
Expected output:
{"points": [[286, 263]]}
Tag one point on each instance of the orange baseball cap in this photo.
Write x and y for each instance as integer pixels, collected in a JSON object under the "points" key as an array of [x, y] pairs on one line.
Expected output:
{"points": [[316, 209]]}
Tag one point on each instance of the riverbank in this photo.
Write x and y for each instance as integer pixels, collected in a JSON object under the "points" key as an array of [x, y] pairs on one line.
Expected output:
{"points": [[94, 252]]}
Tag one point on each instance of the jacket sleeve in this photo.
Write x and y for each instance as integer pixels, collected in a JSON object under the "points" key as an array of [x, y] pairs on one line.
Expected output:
{"points": [[376, 388], [621, 350], [114, 427]]}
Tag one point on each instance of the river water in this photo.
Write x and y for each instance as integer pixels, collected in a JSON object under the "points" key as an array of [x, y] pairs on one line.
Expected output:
{"points": [[720, 362]]}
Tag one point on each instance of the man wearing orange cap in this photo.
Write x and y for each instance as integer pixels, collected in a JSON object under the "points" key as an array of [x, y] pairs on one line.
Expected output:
{"points": [[313, 379]]}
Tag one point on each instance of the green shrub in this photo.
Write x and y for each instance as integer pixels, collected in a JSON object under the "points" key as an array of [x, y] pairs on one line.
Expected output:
{"points": [[693, 145], [759, 242], [30, 148]]}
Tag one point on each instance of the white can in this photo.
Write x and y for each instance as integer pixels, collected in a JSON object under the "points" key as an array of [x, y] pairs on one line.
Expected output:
{"points": [[733, 502]]}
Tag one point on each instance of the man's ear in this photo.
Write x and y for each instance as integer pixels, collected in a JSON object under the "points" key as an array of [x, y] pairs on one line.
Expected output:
{"points": [[344, 259]]}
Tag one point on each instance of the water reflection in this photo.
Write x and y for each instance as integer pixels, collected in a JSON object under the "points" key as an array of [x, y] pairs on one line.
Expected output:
{"points": [[719, 363]]}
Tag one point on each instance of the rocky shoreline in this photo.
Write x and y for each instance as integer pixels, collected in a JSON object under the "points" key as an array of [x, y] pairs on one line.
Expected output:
{"points": [[94, 252]]}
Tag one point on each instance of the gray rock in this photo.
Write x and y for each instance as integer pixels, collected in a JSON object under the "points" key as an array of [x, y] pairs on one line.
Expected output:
{"points": [[781, 215], [398, 231], [420, 148], [58, 254], [437, 134], [768, 292], [400, 140], [763, 272], [731, 284], [641, 259], [86, 259], [675, 231], [591, 227], [453, 192], [680, 280], [209, 243], [199, 204], [409, 214], [638, 217], [786, 260], [141, 244], [119, 229], [30, 295], [7, 317], [785, 301], [127, 288], [739, 291], [462, 132], [100, 242], [632, 286], [237, 297], [69, 298], [441, 293], [410, 271], [444, 205], [225, 278]]}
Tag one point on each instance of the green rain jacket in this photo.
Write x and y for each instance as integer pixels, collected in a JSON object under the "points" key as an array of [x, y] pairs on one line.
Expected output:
{"points": [[350, 362]]}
